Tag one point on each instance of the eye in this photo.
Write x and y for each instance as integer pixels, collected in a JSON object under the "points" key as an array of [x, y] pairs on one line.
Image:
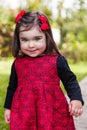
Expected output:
{"points": [[37, 38], [23, 39]]}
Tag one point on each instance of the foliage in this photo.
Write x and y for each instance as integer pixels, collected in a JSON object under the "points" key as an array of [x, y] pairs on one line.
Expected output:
{"points": [[72, 25], [4, 77], [34, 5], [6, 32], [73, 21], [77, 51]]}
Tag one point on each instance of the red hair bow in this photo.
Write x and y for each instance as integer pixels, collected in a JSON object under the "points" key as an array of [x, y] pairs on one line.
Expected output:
{"points": [[44, 25], [19, 16]]}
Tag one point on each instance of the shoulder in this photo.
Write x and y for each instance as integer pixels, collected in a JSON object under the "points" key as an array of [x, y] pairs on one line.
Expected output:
{"points": [[19, 60], [61, 59], [62, 62]]}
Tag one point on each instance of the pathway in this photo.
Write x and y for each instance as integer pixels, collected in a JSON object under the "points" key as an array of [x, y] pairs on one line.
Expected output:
{"points": [[81, 122]]}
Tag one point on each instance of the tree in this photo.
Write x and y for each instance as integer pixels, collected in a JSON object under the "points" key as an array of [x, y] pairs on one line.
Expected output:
{"points": [[74, 20], [60, 20], [6, 29]]}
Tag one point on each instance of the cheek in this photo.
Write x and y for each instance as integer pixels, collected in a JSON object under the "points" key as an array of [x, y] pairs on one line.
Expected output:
{"points": [[43, 48], [42, 45], [23, 46]]}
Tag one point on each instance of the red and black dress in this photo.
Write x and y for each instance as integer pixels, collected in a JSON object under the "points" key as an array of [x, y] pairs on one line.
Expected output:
{"points": [[38, 102]]}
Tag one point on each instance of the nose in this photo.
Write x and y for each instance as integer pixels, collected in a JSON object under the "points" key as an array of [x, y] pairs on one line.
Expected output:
{"points": [[30, 44]]}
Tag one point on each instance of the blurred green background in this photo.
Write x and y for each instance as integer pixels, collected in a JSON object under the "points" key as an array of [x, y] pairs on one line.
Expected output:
{"points": [[69, 25]]}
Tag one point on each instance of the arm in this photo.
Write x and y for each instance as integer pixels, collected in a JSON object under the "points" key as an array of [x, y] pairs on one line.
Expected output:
{"points": [[71, 85], [10, 92]]}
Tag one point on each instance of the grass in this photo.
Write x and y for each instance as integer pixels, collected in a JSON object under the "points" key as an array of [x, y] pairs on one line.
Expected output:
{"points": [[79, 69], [5, 66]]}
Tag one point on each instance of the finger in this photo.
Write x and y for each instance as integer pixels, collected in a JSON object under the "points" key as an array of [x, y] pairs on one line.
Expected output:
{"points": [[78, 113], [71, 110], [7, 119], [70, 107]]}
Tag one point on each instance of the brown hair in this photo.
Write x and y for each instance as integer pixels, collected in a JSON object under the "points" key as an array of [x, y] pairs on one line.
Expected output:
{"points": [[28, 20]]}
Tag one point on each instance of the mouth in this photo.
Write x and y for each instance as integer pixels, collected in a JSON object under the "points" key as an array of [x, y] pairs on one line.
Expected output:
{"points": [[32, 51]]}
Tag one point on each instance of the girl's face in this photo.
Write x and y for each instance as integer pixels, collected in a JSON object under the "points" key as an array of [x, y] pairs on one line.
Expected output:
{"points": [[32, 41]]}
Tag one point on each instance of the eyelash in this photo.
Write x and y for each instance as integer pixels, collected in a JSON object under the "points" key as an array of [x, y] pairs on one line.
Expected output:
{"points": [[24, 40], [36, 39]]}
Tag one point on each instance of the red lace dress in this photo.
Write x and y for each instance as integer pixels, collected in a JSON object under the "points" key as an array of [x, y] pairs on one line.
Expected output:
{"points": [[38, 102]]}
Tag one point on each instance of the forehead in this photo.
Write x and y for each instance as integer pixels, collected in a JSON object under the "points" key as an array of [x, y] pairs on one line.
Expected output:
{"points": [[34, 30]]}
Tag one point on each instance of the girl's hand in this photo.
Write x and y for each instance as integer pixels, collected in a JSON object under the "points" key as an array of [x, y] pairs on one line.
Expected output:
{"points": [[75, 108], [7, 115]]}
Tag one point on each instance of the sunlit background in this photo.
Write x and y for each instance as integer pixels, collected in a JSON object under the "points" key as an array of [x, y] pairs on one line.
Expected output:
{"points": [[68, 19]]}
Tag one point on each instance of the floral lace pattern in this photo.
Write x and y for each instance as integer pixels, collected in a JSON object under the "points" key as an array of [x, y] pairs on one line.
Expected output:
{"points": [[39, 103]]}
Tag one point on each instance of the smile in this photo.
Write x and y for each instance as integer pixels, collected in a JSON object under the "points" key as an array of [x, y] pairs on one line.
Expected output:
{"points": [[32, 51]]}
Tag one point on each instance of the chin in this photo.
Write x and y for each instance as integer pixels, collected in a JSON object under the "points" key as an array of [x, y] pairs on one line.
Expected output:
{"points": [[33, 55]]}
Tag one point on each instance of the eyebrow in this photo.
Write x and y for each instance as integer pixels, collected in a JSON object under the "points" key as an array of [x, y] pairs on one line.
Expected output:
{"points": [[26, 37], [37, 36], [22, 37]]}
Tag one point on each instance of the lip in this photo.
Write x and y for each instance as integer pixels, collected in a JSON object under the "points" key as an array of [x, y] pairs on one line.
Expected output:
{"points": [[32, 51]]}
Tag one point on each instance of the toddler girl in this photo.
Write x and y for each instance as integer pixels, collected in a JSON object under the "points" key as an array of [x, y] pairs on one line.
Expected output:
{"points": [[34, 99]]}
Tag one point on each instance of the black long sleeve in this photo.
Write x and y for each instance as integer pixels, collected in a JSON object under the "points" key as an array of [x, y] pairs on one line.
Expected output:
{"points": [[11, 88], [69, 80]]}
